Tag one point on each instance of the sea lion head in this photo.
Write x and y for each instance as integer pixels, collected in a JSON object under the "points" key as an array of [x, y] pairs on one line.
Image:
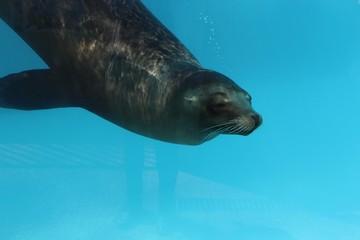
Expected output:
{"points": [[216, 105]]}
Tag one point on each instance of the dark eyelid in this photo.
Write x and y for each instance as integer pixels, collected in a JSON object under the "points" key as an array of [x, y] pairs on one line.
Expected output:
{"points": [[218, 93]]}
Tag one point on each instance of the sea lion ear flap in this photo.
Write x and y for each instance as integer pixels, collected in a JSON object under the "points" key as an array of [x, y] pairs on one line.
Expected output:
{"points": [[35, 89]]}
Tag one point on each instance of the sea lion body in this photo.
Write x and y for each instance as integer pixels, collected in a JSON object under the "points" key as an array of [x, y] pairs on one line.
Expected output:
{"points": [[115, 59]]}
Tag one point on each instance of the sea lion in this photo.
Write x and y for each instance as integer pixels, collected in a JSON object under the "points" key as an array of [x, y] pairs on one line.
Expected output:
{"points": [[115, 59]]}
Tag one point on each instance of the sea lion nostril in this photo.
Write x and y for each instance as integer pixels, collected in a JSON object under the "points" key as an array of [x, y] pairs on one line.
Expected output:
{"points": [[257, 118]]}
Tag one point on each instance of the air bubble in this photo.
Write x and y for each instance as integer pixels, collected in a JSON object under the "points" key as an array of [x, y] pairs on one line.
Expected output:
{"points": [[213, 44]]}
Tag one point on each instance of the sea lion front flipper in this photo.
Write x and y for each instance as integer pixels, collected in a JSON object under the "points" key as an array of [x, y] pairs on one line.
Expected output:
{"points": [[34, 89]]}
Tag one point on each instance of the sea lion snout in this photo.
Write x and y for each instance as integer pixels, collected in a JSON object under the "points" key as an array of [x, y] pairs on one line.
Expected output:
{"points": [[257, 119]]}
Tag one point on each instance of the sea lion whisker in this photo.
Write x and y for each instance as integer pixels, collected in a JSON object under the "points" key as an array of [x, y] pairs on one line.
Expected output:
{"points": [[239, 129], [234, 130], [218, 131], [227, 130], [215, 133], [208, 137], [218, 125]]}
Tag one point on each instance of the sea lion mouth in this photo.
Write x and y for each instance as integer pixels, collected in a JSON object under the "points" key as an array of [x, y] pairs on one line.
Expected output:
{"points": [[239, 126]]}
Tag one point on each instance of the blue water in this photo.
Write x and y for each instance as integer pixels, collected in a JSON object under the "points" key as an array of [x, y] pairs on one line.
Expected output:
{"points": [[296, 177]]}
